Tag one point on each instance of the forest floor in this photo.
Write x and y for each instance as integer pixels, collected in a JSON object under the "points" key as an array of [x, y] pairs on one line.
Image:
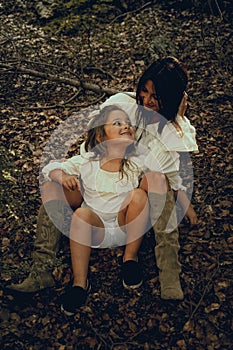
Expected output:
{"points": [[31, 111]]}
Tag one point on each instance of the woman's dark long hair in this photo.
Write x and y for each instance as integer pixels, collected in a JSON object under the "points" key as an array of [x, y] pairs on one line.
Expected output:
{"points": [[170, 79]]}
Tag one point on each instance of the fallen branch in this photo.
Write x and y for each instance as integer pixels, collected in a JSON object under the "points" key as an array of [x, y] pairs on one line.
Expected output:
{"points": [[59, 79]]}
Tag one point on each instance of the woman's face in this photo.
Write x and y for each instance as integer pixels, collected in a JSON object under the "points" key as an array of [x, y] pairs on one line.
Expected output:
{"points": [[149, 97]]}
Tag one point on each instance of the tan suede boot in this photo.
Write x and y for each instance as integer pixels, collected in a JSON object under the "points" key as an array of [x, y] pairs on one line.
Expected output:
{"points": [[45, 248], [164, 222]]}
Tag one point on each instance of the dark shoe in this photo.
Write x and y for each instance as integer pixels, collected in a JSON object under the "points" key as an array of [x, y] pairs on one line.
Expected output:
{"points": [[131, 274], [74, 298]]}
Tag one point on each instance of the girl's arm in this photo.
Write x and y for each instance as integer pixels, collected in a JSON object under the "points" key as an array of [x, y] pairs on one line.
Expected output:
{"points": [[187, 207], [64, 173], [70, 182]]}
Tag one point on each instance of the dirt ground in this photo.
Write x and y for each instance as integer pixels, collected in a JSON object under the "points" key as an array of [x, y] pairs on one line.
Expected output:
{"points": [[33, 107]]}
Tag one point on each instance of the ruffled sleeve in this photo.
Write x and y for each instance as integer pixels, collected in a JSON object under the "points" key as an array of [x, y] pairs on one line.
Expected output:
{"points": [[179, 141], [175, 181], [159, 159], [70, 166]]}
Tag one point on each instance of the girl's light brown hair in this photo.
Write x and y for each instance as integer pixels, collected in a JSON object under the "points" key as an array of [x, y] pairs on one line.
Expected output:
{"points": [[95, 138]]}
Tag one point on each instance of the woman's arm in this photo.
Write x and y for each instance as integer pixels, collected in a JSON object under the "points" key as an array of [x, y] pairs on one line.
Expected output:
{"points": [[183, 105], [183, 139], [187, 207]]}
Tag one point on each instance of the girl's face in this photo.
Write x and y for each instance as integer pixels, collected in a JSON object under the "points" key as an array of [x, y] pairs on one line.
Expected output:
{"points": [[149, 98], [118, 126]]}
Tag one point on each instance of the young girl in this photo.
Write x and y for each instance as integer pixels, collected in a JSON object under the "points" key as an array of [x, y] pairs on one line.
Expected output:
{"points": [[114, 211]]}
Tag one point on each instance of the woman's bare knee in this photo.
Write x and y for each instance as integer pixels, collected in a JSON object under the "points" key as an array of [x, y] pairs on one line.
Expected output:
{"points": [[51, 190]]}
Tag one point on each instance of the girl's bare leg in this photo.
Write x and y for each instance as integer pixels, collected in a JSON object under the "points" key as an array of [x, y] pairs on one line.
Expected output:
{"points": [[84, 224], [134, 219]]}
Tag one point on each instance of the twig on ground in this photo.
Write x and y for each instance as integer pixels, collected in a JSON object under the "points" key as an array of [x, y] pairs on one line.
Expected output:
{"points": [[130, 12], [204, 292], [100, 70]]}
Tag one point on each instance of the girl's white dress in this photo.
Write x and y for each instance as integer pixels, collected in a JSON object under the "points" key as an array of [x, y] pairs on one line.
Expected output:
{"points": [[104, 192]]}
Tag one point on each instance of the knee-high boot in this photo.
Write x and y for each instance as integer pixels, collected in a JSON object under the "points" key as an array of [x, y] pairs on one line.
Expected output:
{"points": [[164, 222], [46, 246]]}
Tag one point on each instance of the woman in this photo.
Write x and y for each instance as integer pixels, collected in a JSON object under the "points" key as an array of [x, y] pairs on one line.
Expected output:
{"points": [[162, 126], [158, 111]]}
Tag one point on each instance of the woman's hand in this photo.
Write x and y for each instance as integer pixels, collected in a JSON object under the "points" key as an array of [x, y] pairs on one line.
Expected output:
{"points": [[70, 182], [183, 105], [191, 216]]}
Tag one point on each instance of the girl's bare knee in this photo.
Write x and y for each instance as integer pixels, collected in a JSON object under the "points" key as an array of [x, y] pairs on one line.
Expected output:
{"points": [[156, 182], [83, 213], [87, 216], [139, 197]]}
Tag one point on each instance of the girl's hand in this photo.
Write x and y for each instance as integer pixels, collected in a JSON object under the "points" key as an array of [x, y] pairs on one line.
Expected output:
{"points": [[70, 182], [191, 216], [183, 105]]}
